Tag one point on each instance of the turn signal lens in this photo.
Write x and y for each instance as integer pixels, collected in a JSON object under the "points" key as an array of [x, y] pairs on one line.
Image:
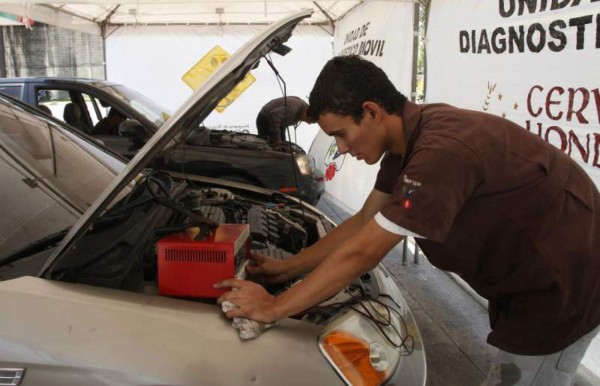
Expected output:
{"points": [[288, 190], [353, 357]]}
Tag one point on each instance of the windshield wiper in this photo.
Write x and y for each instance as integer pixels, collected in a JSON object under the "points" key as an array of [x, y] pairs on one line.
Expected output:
{"points": [[35, 247], [53, 239]]}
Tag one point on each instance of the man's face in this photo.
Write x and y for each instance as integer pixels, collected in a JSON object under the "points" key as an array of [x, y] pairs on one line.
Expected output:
{"points": [[363, 140]]}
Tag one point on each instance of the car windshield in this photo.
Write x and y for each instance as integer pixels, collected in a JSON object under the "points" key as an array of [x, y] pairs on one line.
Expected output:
{"points": [[50, 177], [151, 110]]}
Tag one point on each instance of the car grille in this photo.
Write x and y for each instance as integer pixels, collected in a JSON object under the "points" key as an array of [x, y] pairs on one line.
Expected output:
{"points": [[11, 377]]}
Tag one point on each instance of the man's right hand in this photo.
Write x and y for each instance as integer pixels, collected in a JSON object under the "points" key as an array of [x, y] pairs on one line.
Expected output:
{"points": [[268, 270]]}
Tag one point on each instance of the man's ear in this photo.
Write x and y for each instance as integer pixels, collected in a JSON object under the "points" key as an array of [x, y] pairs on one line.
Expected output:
{"points": [[372, 109]]}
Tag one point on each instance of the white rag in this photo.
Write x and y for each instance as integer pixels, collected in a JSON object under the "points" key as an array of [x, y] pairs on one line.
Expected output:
{"points": [[249, 329]]}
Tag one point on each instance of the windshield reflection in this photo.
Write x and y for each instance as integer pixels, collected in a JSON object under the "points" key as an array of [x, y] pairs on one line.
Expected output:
{"points": [[49, 177], [154, 112]]}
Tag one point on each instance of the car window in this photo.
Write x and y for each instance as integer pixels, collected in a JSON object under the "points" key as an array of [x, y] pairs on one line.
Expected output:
{"points": [[71, 107], [15, 91], [97, 109], [91, 115], [49, 180], [145, 106], [53, 100]]}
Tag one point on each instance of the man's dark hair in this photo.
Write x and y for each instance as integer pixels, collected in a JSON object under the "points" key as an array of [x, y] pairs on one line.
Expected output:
{"points": [[346, 82]]}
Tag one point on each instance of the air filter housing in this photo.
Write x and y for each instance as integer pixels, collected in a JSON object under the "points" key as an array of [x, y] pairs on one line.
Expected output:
{"points": [[190, 268]]}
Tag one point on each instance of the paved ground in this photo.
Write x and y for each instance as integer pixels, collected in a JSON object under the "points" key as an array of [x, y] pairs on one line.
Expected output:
{"points": [[453, 324]]}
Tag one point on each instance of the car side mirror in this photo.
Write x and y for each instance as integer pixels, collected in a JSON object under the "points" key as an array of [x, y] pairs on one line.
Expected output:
{"points": [[132, 128]]}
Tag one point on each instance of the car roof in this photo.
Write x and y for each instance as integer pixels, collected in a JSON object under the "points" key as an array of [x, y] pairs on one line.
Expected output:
{"points": [[51, 79]]}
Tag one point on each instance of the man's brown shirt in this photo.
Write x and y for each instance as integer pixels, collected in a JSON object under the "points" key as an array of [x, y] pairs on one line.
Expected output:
{"points": [[512, 215]]}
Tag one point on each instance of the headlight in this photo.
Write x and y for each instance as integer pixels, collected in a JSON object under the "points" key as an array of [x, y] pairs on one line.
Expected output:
{"points": [[365, 350], [375, 339], [306, 164]]}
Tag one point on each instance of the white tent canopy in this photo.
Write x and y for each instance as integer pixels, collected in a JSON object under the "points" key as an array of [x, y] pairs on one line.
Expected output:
{"points": [[92, 15]]}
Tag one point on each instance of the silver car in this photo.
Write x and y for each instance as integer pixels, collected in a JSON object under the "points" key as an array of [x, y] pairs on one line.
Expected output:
{"points": [[80, 290]]}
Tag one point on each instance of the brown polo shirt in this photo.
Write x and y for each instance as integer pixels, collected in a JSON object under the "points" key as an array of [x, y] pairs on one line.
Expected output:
{"points": [[512, 215]]}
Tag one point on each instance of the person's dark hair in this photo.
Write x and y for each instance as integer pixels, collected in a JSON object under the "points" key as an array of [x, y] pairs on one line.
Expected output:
{"points": [[346, 82], [114, 113], [45, 109]]}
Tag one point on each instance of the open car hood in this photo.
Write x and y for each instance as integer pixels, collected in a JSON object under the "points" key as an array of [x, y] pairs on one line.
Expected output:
{"points": [[187, 117]]}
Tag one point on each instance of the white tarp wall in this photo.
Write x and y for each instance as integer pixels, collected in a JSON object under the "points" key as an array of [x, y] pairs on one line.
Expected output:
{"points": [[535, 62], [152, 60], [382, 32]]}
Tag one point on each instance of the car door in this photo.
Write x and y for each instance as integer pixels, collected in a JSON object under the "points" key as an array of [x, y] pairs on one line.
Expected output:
{"points": [[14, 90]]}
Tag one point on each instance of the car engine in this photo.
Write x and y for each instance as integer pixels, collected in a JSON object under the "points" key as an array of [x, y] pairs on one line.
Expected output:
{"points": [[130, 231], [227, 138]]}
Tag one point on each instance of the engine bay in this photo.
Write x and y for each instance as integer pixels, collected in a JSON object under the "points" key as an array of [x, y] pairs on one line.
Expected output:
{"points": [[226, 138], [160, 207]]}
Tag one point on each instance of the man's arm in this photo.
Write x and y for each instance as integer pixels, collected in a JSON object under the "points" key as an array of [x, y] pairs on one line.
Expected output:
{"points": [[280, 117], [348, 261], [274, 131], [349, 250], [275, 121], [310, 257]]}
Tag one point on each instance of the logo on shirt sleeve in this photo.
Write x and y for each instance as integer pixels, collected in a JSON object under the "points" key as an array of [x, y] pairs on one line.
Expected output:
{"points": [[409, 190]]}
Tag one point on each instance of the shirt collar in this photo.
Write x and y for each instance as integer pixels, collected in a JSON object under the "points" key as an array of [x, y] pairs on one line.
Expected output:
{"points": [[411, 114]]}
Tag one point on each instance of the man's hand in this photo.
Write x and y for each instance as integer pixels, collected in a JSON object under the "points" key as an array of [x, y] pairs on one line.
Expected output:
{"points": [[267, 270], [253, 301]]}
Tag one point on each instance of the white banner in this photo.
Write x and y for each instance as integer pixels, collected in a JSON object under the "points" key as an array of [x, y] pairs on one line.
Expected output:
{"points": [[382, 32], [152, 60], [536, 63]]}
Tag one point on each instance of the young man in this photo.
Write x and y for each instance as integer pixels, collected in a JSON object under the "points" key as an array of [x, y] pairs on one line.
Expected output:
{"points": [[275, 117], [484, 198]]}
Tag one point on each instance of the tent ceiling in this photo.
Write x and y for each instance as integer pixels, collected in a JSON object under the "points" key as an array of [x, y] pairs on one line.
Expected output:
{"points": [[148, 12]]}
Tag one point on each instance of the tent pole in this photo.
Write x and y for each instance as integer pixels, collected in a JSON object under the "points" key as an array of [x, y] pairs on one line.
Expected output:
{"points": [[413, 87], [104, 32], [425, 24], [2, 54], [324, 12], [104, 55]]}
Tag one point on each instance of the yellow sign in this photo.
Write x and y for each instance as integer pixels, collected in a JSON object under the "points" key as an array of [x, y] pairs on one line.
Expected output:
{"points": [[204, 68]]}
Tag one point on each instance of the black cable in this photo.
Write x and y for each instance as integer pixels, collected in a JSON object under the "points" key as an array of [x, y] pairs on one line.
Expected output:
{"points": [[387, 319], [406, 342], [168, 202], [128, 204], [293, 159], [387, 322], [151, 177], [184, 158]]}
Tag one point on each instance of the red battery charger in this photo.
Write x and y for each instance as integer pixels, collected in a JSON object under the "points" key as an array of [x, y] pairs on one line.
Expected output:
{"points": [[190, 268]]}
